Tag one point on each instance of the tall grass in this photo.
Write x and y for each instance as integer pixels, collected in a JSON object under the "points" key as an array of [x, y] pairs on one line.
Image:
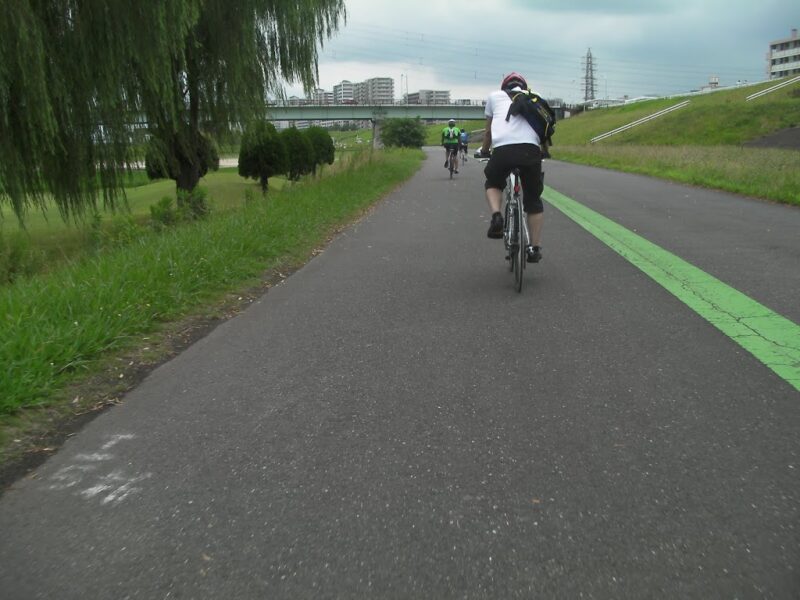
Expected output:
{"points": [[57, 326], [767, 173]]}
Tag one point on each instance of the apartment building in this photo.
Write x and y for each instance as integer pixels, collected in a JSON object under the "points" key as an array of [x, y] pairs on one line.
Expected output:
{"points": [[429, 97], [783, 58], [320, 96], [343, 93], [378, 90]]}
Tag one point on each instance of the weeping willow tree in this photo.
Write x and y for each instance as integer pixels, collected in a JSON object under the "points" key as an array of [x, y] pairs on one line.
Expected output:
{"points": [[77, 77]]}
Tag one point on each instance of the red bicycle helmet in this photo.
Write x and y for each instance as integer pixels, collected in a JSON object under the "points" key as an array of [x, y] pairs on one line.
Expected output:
{"points": [[513, 79]]}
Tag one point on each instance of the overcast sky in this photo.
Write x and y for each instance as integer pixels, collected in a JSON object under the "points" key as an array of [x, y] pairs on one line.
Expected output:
{"points": [[639, 47]]}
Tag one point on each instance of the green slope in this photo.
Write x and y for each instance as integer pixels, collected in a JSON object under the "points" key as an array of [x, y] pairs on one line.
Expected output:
{"points": [[719, 118]]}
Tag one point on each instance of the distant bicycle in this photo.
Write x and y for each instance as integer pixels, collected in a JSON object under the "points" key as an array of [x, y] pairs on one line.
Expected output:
{"points": [[452, 157], [463, 153]]}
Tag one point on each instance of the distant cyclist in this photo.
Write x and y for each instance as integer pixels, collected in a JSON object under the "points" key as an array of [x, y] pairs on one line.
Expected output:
{"points": [[514, 144], [463, 142], [450, 135]]}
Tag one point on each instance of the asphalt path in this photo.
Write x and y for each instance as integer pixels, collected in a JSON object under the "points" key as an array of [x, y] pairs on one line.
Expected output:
{"points": [[395, 421]]}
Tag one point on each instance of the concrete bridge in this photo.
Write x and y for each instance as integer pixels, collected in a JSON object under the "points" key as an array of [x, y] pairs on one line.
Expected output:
{"points": [[377, 113]]}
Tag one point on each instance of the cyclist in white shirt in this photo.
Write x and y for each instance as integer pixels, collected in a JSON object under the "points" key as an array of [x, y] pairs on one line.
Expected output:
{"points": [[514, 144]]}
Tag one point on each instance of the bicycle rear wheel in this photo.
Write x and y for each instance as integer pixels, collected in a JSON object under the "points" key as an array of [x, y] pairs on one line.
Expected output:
{"points": [[508, 235], [518, 256], [521, 258]]}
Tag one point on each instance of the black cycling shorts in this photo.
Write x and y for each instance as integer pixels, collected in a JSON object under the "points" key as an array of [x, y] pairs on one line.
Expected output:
{"points": [[528, 158]]}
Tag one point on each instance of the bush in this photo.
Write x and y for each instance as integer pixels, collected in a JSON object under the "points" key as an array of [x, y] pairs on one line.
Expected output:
{"points": [[262, 153], [163, 214], [299, 152], [405, 133], [322, 145], [193, 205]]}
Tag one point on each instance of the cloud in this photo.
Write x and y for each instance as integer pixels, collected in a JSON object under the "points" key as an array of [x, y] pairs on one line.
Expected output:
{"points": [[607, 7], [639, 46]]}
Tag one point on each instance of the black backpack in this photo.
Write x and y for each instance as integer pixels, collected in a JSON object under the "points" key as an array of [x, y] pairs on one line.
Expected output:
{"points": [[536, 111]]}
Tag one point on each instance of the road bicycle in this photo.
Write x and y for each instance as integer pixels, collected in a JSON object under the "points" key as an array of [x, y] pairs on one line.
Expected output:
{"points": [[452, 157], [515, 226], [463, 154]]}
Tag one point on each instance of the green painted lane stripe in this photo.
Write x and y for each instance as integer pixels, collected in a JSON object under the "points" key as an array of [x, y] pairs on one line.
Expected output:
{"points": [[771, 338]]}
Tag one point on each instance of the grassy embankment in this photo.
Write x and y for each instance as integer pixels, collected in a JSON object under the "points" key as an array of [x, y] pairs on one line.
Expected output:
{"points": [[50, 241], [700, 144], [61, 326]]}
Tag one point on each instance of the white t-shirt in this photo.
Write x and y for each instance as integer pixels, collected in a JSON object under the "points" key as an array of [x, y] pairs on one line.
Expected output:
{"points": [[515, 131]]}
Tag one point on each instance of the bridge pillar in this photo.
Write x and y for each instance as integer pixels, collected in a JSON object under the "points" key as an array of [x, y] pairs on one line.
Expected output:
{"points": [[376, 133]]}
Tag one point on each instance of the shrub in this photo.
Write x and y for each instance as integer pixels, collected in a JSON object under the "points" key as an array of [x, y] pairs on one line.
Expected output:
{"points": [[299, 153], [262, 153], [193, 205], [405, 133], [163, 214], [322, 145]]}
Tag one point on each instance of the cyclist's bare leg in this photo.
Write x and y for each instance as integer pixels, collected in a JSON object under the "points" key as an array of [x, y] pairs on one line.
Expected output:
{"points": [[535, 222], [494, 197]]}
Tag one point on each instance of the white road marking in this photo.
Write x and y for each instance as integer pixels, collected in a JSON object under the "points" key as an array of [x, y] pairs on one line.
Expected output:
{"points": [[116, 439], [112, 488]]}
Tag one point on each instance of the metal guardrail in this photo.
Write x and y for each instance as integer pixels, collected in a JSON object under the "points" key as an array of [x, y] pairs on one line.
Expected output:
{"points": [[773, 88], [655, 115]]}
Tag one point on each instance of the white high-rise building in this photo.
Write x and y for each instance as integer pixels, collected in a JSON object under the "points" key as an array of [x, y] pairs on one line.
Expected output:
{"points": [[343, 93], [783, 58]]}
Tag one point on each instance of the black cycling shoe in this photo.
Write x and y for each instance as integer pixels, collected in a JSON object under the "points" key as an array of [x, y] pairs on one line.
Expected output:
{"points": [[496, 228], [446, 164], [534, 253]]}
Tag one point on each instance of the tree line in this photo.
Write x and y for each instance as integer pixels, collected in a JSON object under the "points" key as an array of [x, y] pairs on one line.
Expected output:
{"points": [[263, 153]]}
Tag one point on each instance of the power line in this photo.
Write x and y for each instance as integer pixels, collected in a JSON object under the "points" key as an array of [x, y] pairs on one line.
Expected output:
{"points": [[420, 52]]}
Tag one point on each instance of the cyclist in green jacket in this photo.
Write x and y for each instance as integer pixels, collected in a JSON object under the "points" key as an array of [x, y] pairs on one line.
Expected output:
{"points": [[450, 142]]}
